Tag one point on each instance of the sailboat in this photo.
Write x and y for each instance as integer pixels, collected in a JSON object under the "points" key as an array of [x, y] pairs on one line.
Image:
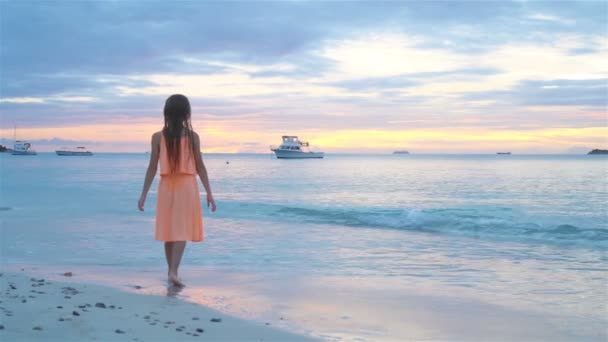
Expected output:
{"points": [[22, 147]]}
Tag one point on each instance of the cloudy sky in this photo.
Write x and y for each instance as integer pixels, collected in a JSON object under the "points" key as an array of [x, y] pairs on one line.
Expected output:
{"points": [[430, 77]]}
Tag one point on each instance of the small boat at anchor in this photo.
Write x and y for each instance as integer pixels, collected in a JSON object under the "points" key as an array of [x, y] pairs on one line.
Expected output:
{"points": [[78, 151], [23, 148], [291, 148]]}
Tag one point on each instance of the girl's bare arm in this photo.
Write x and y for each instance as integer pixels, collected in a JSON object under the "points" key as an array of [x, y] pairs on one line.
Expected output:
{"points": [[152, 167], [202, 172]]}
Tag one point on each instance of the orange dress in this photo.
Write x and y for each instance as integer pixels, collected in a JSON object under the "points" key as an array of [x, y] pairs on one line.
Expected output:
{"points": [[179, 215]]}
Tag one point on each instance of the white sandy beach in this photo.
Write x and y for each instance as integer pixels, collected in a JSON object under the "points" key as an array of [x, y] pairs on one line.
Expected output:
{"points": [[254, 307], [42, 309]]}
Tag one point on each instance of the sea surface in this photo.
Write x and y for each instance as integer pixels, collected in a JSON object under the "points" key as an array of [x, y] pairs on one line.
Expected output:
{"points": [[525, 232]]}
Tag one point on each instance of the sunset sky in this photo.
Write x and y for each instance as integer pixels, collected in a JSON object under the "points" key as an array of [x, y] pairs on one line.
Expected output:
{"points": [[373, 77]]}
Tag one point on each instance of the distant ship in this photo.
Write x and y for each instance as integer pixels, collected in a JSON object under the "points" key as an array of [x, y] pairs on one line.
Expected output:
{"points": [[401, 152], [78, 151], [291, 148], [503, 152]]}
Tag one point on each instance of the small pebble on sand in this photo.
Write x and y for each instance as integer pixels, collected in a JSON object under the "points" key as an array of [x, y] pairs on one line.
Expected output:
{"points": [[68, 274], [37, 328], [216, 320], [199, 330], [100, 305], [118, 331], [69, 291], [195, 318], [75, 313]]}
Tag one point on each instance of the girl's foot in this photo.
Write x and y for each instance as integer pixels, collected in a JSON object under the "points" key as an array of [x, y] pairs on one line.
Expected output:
{"points": [[174, 280]]}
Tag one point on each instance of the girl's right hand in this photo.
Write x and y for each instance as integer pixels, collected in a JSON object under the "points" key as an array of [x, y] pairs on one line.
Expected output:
{"points": [[211, 202], [141, 202]]}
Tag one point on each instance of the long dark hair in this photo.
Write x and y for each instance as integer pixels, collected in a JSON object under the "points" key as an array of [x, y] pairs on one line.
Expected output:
{"points": [[177, 120]]}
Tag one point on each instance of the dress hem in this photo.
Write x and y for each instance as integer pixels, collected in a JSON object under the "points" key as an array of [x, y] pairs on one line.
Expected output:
{"points": [[186, 240]]}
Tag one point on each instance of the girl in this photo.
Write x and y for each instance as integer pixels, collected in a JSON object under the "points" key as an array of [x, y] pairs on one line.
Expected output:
{"points": [[178, 208]]}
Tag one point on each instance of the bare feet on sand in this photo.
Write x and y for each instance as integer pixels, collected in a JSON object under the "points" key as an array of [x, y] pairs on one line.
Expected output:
{"points": [[174, 280]]}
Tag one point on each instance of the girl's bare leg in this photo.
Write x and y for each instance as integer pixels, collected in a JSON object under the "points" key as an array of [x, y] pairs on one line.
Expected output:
{"points": [[176, 251], [169, 256]]}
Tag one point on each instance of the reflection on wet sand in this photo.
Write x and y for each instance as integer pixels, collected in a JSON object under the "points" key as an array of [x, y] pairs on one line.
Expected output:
{"points": [[349, 308], [173, 290]]}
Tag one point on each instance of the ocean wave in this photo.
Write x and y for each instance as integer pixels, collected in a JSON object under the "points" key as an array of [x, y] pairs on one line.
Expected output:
{"points": [[484, 222]]}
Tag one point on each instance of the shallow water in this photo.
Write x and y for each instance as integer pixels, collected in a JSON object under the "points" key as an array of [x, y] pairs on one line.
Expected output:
{"points": [[527, 233]]}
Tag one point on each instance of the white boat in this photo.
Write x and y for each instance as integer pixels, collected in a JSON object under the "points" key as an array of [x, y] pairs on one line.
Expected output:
{"points": [[23, 148], [291, 148], [78, 151]]}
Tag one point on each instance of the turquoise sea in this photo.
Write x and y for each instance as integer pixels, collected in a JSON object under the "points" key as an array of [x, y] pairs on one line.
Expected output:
{"points": [[527, 232]]}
